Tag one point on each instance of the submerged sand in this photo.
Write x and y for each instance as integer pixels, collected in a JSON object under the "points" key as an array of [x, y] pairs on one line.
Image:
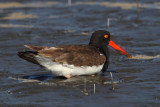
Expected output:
{"points": [[145, 57]]}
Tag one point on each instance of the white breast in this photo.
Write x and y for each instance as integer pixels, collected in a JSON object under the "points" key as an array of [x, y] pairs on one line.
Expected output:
{"points": [[59, 69]]}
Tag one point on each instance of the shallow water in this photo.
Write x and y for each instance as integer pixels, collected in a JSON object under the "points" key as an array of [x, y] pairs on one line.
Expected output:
{"points": [[145, 57], [51, 23]]}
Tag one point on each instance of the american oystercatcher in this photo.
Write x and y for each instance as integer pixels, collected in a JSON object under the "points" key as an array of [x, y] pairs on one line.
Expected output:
{"points": [[74, 60]]}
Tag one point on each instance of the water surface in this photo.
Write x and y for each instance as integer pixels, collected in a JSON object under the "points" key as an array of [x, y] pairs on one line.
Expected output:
{"points": [[51, 23]]}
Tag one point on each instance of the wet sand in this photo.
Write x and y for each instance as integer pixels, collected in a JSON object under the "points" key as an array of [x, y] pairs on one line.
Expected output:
{"points": [[145, 57]]}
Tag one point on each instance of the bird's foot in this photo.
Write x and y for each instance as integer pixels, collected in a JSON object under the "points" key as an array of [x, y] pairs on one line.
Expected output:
{"points": [[68, 76]]}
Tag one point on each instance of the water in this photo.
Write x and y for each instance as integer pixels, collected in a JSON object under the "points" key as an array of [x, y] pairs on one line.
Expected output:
{"points": [[145, 57], [51, 23]]}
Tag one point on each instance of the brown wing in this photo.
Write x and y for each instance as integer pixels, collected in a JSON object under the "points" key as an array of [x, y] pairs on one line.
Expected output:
{"points": [[35, 48], [77, 55]]}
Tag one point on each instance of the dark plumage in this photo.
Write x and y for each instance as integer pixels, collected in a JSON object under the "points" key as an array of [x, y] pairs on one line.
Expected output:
{"points": [[94, 54]]}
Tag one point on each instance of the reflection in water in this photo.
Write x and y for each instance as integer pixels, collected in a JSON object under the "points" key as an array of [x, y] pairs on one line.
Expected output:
{"points": [[87, 83], [51, 80]]}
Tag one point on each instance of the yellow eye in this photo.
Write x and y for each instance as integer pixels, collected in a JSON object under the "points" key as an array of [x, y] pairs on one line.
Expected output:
{"points": [[105, 36]]}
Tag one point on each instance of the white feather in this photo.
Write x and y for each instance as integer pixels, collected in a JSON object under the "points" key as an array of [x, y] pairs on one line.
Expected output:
{"points": [[59, 69]]}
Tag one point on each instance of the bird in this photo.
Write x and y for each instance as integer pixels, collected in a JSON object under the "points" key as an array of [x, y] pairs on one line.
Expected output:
{"points": [[74, 60]]}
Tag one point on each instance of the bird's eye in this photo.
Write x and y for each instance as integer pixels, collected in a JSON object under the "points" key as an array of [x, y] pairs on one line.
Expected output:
{"points": [[105, 36]]}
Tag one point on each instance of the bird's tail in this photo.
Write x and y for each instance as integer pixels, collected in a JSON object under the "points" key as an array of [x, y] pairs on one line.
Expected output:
{"points": [[29, 56]]}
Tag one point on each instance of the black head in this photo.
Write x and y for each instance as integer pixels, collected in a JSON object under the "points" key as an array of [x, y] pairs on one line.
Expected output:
{"points": [[99, 38]]}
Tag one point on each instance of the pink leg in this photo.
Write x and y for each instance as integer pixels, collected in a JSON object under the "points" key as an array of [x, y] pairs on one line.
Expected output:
{"points": [[68, 76]]}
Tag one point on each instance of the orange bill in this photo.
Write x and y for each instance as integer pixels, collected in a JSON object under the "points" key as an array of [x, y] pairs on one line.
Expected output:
{"points": [[119, 49]]}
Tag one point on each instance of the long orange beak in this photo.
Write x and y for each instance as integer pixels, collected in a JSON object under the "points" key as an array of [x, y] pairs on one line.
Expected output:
{"points": [[119, 49]]}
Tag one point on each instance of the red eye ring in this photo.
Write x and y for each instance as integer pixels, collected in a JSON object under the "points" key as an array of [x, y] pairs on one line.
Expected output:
{"points": [[105, 36]]}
